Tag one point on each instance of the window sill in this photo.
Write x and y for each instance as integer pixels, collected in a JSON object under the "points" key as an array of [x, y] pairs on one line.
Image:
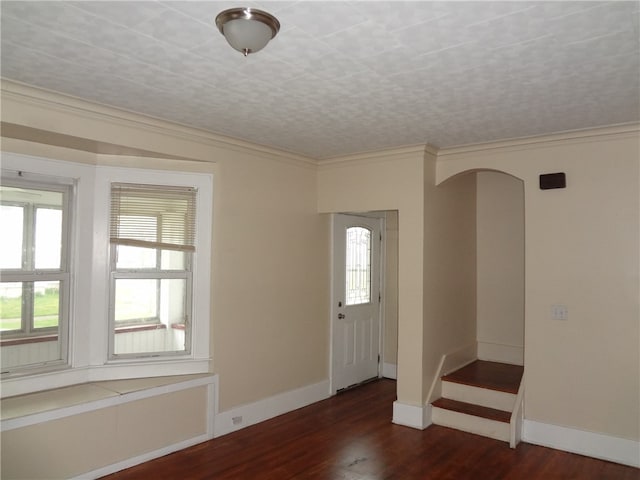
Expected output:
{"points": [[25, 340], [140, 328], [7, 342], [39, 407]]}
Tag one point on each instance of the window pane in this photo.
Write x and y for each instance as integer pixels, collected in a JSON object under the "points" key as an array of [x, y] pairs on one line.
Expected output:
{"points": [[168, 334], [174, 260], [48, 238], [137, 300], [136, 257], [358, 266], [31, 313], [46, 304], [11, 219], [10, 306]]}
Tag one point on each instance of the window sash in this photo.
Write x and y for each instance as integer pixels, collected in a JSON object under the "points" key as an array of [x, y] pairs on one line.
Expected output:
{"points": [[173, 208], [88, 243], [28, 319], [160, 218], [114, 324], [28, 275]]}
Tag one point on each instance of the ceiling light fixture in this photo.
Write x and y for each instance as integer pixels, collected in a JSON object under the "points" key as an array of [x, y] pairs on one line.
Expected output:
{"points": [[248, 30]]}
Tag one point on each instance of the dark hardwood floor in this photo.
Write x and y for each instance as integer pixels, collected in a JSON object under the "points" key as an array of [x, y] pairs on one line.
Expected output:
{"points": [[493, 375], [351, 437]]}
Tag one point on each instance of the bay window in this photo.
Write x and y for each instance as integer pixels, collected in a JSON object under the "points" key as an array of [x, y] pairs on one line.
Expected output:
{"points": [[104, 271]]}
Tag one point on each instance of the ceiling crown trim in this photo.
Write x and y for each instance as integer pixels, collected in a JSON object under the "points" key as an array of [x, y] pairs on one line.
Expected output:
{"points": [[24, 94], [572, 136]]}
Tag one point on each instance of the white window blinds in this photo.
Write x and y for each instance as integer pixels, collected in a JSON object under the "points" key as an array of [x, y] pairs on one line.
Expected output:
{"points": [[153, 216]]}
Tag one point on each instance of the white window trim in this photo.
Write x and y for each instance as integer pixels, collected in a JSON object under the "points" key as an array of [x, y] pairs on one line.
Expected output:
{"points": [[89, 325]]}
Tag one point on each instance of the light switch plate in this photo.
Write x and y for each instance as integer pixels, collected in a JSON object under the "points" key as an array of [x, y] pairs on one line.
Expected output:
{"points": [[559, 312]]}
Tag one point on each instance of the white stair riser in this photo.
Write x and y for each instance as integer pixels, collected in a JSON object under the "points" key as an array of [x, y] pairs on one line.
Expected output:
{"points": [[471, 424], [478, 396]]}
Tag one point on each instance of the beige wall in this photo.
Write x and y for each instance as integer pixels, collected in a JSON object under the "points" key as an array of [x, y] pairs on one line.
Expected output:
{"points": [[271, 282], [390, 353], [439, 257], [389, 181], [581, 251], [71, 446], [500, 275], [449, 268], [271, 252], [271, 257]]}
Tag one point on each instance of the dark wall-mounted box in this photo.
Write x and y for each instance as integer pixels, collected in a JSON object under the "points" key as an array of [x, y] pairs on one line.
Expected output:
{"points": [[552, 180]]}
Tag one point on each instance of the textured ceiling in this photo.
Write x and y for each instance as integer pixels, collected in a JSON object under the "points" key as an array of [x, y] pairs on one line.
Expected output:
{"points": [[341, 77]]}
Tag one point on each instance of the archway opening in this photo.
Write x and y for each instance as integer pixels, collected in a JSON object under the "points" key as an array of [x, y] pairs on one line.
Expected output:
{"points": [[500, 267]]}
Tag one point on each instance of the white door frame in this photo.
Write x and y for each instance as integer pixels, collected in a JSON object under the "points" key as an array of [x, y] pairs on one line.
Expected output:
{"points": [[334, 302]]}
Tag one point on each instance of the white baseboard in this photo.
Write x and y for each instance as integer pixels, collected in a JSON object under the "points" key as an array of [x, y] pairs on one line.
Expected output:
{"points": [[145, 457], [605, 447], [250, 414], [390, 370], [497, 352], [411, 415], [457, 359]]}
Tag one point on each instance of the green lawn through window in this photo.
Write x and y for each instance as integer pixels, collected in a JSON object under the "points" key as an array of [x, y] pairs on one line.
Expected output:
{"points": [[45, 311]]}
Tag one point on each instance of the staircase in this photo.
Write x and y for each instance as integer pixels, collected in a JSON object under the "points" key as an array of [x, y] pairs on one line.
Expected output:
{"points": [[482, 398]]}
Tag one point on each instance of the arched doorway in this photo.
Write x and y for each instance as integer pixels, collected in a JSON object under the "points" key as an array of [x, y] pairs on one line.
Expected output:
{"points": [[500, 267], [500, 264]]}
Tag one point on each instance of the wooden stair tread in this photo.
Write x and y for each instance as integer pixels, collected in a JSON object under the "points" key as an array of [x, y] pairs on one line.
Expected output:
{"points": [[491, 375], [475, 410]]}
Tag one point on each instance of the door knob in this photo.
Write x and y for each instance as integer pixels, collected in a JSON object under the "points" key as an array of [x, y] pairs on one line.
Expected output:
{"points": [[341, 316]]}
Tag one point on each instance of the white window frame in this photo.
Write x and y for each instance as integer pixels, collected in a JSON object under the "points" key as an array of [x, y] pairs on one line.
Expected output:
{"points": [[156, 273], [17, 178], [89, 263]]}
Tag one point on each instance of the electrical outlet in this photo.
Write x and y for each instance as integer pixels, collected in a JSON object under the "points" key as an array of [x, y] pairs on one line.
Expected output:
{"points": [[559, 312]]}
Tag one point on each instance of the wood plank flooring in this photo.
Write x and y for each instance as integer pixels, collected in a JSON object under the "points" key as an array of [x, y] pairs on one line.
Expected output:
{"points": [[351, 437], [475, 410], [492, 375]]}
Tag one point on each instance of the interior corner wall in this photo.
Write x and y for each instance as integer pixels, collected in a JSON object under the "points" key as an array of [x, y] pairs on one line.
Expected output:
{"points": [[389, 181], [271, 281], [390, 353], [582, 252], [500, 268], [449, 268]]}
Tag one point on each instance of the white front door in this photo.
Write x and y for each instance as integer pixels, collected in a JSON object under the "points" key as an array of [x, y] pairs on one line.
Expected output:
{"points": [[356, 300]]}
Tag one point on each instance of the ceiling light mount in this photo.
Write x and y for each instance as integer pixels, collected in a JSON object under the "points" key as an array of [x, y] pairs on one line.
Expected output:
{"points": [[247, 30]]}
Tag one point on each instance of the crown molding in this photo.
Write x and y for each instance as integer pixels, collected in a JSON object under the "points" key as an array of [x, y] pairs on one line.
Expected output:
{"points": [[411, 151], [524, 143], [55, 101]]}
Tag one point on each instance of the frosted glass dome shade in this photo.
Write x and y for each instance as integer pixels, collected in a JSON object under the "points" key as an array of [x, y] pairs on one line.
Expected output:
{"points": [[247, 30]]}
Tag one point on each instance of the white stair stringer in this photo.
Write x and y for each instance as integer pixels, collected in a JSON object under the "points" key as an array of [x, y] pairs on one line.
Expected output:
{"points": [[470, 423], [478, 396], [517, 417]]}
